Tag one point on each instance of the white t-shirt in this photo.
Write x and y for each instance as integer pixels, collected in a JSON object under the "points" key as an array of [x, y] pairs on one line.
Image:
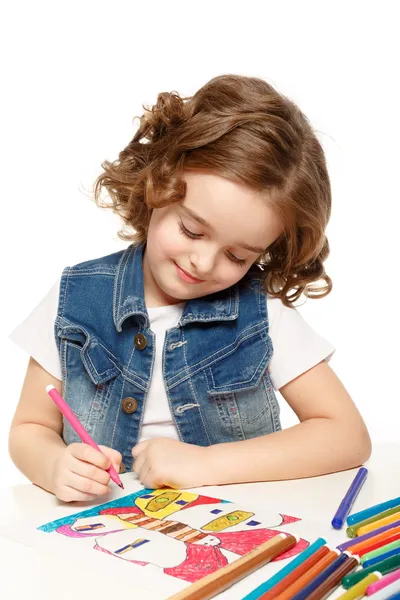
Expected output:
{"points": [[297, 348]]}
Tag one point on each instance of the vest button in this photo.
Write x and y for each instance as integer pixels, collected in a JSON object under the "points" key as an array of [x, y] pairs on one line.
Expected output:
{"points": [[140, 341], [122, 468], [129, 405]]}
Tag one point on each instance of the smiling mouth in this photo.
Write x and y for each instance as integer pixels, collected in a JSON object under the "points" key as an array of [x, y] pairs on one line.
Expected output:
{"points": [[186, 276]]}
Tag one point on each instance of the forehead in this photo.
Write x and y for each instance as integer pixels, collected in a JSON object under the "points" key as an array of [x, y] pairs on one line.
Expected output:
{"points": [[232, 210]]}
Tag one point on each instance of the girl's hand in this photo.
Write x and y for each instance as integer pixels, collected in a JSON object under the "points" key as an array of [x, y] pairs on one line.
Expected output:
{"points": [[79, 472], [165, 462]]}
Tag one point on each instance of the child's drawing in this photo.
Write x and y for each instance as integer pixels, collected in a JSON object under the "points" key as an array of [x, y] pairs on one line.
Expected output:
{"points": [[186, 535]]}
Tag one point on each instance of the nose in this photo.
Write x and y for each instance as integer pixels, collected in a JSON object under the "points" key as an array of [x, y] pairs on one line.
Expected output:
{"points": [[203, 261]]}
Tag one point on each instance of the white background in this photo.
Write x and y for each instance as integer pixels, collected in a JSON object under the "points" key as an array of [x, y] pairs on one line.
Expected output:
{"points": [[75, 74]]}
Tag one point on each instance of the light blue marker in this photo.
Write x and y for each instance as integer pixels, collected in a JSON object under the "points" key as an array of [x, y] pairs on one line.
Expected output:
{"points": [[372, 510], [298, 560]]}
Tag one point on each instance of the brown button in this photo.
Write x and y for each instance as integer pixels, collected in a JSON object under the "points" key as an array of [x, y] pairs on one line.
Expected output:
{"points": [[140, 341], [122, 468], [129, 405]]}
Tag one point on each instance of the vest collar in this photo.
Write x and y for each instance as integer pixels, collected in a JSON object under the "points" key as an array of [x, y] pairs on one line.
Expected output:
{"points": [[129, 301]]}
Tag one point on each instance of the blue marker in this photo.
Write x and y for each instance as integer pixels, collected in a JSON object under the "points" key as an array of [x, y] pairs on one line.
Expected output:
{"points": [[298, 560], [321, 577], [347, 502], [395, 596], [383, 556], [372, 510]]}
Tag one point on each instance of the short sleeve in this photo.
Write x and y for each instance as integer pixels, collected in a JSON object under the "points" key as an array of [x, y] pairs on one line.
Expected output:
{"points": [[35, 335], [297, 346]]}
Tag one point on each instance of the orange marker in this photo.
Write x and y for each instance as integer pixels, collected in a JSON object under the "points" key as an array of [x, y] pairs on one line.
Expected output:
{"points": [[308, 576], [357, 546]]}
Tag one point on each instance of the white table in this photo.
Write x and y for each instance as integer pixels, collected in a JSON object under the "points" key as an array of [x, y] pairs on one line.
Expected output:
{"points": [[26, 572]]}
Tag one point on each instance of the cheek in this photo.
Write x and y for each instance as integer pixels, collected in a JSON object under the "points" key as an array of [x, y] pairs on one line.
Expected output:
{"points": [[229, 274]]}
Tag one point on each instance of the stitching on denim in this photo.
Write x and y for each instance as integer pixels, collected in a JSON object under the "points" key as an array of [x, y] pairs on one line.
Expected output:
{"points": [[66, 283], [82, 272], [122, 265], [167, 388], [194, 393], [203, 364]]}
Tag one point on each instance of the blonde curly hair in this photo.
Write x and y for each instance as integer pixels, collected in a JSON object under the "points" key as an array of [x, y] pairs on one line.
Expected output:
{"points": [[242, 129]]}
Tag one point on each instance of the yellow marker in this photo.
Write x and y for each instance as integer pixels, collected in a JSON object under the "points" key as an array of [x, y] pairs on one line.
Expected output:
{"points": [[380, 523], [358, 590]]}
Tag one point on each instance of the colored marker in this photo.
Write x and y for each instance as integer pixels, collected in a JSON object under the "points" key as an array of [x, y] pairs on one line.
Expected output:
{"points": [[292, 577], [372, 510], [353, 530], [383, 594], [358, 590], [367, 536], [379, 551], [383, 567], [212, 584], [308, 576], [373, 561], [304, 593], [80, 430], [348, 500], [379, 523], [332, 582], [358, 547], [289, 568], [384, 582], [395, 596], [379, 544]]}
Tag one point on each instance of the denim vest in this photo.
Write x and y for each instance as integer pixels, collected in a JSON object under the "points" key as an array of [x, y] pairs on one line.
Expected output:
{"points": [[214, 361]]}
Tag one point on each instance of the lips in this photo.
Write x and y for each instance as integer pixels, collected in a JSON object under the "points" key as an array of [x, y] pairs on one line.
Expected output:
{"points": [[186, 276]]}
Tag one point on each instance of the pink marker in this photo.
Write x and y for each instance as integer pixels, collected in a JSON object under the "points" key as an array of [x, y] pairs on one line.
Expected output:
{"points": [[79, 428], [383, 583]]}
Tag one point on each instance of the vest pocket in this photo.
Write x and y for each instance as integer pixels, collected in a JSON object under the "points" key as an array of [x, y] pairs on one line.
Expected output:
{"points": [[241, 366], [246, 414], [89, 375]]}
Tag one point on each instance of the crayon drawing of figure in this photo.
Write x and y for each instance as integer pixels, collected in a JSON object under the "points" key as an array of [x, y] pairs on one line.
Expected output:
{"points": [[186, 535]]}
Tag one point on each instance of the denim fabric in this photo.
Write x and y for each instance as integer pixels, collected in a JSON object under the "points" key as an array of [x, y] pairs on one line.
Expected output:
{"points": [[214, 362]]}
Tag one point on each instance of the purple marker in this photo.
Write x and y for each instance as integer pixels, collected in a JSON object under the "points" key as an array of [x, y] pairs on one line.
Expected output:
{"points": [[366, 536], [347, 502]]}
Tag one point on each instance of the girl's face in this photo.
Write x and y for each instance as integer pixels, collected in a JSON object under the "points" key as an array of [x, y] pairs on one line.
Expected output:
{"points": [[207, 242]]}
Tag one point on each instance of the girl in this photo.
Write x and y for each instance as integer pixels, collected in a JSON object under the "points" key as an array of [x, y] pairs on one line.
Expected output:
{"points": [[169, 351]]}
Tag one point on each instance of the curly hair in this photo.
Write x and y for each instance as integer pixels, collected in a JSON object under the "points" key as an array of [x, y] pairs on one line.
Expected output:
{"points": [[242, 129]]}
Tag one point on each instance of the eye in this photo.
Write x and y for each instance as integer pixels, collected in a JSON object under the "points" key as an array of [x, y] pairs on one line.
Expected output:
{"points": [[185, 231], [238, 261], [195, 236]]}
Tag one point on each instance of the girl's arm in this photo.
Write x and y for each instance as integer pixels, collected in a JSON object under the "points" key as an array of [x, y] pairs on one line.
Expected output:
{"points": [[331, 436], [74, 472], [35, 441]]}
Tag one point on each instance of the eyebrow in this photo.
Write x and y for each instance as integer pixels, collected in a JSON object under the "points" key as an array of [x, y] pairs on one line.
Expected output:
{"points": [[196, 217]]}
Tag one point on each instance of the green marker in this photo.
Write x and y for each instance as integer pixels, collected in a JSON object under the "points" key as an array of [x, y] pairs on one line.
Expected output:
{"points": [[352, 530], [379, 551], [385, 566]]}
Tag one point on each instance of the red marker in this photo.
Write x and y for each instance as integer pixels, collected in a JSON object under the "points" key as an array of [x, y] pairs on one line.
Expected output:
{"points": [[79, 428]]}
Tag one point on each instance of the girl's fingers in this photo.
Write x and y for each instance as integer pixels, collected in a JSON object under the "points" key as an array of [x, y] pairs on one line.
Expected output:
{"points": [[69, 494], [143, 473], [138, 449], [86, 453], [89, 471], [138, 464], [87, 485]]}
